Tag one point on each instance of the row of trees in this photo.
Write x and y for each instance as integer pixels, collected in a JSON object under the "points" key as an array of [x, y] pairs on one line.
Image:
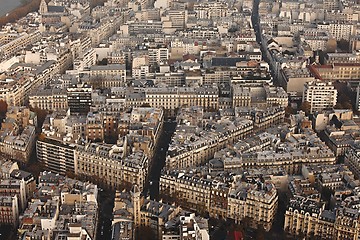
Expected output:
{"points": [[3, 109], [32, 6], [19, 12], [343, 102], [305, 106]]}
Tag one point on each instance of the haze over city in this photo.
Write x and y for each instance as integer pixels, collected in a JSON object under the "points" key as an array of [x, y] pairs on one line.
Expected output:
{"points": [[179, 119]]}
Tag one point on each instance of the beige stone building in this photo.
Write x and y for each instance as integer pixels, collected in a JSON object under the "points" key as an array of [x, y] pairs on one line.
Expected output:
{"points": [[109, 165], [178, 185], [17, 84], [142, 212], [352, 159], [262, 118], [255, 201], [13, 44], [235, 200], [17, 138], [190, 148], [308, 218], [49, 99], [9, 210], [172, 98], [336, 71], [303, 215], [289, 155]]}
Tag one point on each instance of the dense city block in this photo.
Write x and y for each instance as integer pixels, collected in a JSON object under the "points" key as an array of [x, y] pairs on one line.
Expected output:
{"points": [[180, 119]]}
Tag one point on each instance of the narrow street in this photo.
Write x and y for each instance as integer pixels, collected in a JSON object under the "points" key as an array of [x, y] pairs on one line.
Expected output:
{"points": [[106, 204], [255, 20], [158, 163], [5, 234], [256, 25]]}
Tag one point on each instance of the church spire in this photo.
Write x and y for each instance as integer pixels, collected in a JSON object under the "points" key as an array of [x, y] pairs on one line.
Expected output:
{"points": [[43, 8]]}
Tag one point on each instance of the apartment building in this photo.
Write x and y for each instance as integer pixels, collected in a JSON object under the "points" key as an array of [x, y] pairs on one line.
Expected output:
{"points": [[172, 98], [175, 19], [198, 32], [291, 154], [116, 57], [23, 79], [86, 58], [9, 210], [54, 99], [208, 97], [19, 117], [79, 98], [218, 77], [340, 139], [201, 147], [55, 146], [7, 167], [347, 222], [51, 49], [18, 146], [338, 30], [111, 165], [331, 5], [333, 58], [352, 159], [211, 10], [27, 178], [291, 162], [176, 184], [266, 118], [255, 201], [63, 147], [69, 210], [10, 48], [317, 42], [320, 95], [109, 71], [44, 74], [338, 178], [132, 212], [158, 55], [99, 31], [148, 14], [355, 43], [154, 214], [6, 37], [305, 216], [140, 72], [186, 226], [14, 188], [111, 126], [262, 118], [55, 154], [236, 200], [336, 71], [241, 96], [13, 92], [94, 129], [133, 28], [276, 96]]}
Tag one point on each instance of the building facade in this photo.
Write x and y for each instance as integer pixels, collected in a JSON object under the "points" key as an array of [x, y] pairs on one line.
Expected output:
{"points": [[320, 95]]}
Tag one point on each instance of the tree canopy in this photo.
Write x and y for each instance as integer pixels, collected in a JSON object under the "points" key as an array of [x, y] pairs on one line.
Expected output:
{"points": [[306, 107], [3, 108]]}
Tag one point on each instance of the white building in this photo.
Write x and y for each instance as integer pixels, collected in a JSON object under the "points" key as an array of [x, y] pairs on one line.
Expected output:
{"points": [[320, 95]]}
